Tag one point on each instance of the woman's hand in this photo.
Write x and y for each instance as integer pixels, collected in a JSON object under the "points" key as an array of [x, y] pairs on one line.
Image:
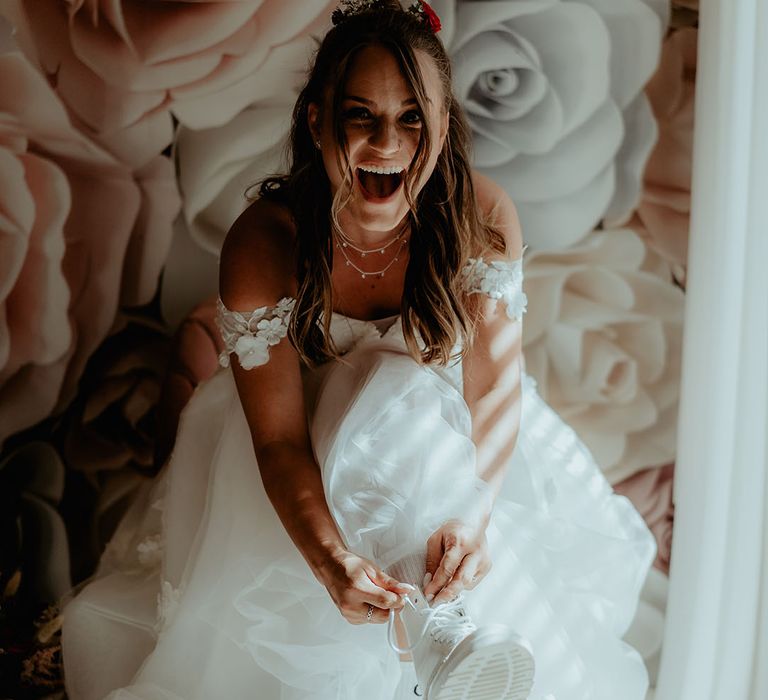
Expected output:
{"points": [[457, 560], [355, 583]]}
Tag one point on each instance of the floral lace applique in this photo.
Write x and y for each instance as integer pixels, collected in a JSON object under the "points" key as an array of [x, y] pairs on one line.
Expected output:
{"points": [[250, 334], [498, 279], [167, 605], [150, 551]]}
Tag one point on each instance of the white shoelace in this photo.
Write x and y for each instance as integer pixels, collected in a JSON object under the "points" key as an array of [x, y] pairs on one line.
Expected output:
{"points": [[449, 624]]}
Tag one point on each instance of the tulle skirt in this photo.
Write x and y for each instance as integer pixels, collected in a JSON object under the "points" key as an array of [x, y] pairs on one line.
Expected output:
{"points": [[201, 593]]}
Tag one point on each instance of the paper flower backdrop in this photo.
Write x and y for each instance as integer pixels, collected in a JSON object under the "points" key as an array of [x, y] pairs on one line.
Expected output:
{"points": [[665, 208], [122, 66], [216, 166], [553, 92], [602, 337], [80, 233]]}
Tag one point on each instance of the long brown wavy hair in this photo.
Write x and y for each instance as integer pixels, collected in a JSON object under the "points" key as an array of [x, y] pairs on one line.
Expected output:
{"points": [[445, 221]]}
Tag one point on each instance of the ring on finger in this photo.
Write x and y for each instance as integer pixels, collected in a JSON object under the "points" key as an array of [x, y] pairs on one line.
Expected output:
{"points": [[370, 613]]}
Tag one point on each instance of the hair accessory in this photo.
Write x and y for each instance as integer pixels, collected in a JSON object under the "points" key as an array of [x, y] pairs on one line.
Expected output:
{"points": [[424, 11], [419, 9]]}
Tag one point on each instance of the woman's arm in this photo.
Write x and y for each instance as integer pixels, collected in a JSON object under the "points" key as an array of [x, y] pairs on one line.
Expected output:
{"points": [[492, 366], [256, 270], [492, 373]]}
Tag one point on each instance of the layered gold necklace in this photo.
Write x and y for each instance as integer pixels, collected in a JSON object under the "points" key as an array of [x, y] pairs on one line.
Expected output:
{"points": [[345, 244]]}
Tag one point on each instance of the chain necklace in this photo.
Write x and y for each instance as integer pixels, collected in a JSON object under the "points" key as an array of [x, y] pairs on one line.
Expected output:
{"points": [[371, 273], [347, 242], [343, 242]]}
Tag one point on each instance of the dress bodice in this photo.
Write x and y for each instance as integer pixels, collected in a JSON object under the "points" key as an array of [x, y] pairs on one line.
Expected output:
{"points": [[250, 334]]}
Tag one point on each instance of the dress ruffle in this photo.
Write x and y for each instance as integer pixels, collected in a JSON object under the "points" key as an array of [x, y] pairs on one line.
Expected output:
{"points": [[202, 594]]}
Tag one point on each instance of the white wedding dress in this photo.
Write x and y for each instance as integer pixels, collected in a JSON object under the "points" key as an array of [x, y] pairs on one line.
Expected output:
{"points": [[202, 595]]}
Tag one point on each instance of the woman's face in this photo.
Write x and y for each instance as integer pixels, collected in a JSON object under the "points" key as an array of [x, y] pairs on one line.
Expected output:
{"points": [[382, 125]]}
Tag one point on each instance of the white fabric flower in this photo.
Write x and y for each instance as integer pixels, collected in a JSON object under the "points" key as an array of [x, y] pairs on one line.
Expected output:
{"points": [[272, 331], [252, 351], [284, 307], [553, 93], [498, 279], [168, 600], [150, 551], [602, 336]]}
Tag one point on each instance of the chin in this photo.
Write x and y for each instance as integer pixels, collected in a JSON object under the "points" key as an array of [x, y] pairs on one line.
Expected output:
{"points": [[379, 216]]}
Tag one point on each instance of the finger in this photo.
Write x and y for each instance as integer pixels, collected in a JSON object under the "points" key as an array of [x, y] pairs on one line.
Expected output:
{"points": [[470, 571], [388, 583], [434, 554], [378, 616], [462, 579], [370, 592], [444, 572]]}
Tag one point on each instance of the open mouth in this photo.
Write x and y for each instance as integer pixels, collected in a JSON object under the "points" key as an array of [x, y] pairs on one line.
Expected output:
{"points": [[377, 186]]}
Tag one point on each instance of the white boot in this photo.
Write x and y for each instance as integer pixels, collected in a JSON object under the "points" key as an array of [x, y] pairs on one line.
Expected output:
{"points": [[455, 660]]}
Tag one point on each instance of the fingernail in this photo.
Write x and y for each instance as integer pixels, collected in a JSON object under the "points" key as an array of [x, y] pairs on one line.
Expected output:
{"points": [[430, 597], [408, 586], [427, 579]]}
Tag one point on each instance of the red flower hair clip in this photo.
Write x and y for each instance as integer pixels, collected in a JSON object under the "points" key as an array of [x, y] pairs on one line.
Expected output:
{"points": [[421, 10], [430, 16]]}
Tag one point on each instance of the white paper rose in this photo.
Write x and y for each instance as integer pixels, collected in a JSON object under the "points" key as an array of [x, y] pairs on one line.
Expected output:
{"points": [[79, 234], [216, 166], [602, 337], [122, 66], [553, 93]]}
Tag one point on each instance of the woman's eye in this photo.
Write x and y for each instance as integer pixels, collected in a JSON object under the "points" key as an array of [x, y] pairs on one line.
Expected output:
{"points": [[412, 118], [359, 113]]}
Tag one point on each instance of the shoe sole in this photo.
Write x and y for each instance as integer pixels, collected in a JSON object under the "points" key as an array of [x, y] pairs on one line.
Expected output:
{"points": [[492, 663]]}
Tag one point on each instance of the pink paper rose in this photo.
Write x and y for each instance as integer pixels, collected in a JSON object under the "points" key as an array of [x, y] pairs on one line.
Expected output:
{"points": [[79, 235], [122, 66], [194, 358], [651, 492], [666, 204]]}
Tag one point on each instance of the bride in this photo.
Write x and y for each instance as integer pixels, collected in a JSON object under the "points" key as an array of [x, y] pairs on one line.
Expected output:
{"points": [[373, 452]]}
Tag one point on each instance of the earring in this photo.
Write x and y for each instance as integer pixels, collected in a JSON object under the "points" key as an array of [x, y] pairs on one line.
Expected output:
{"points": [[317, 143]]}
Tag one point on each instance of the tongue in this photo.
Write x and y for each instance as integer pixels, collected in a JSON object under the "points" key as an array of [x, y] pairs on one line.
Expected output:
{"points": [[378, 185]]}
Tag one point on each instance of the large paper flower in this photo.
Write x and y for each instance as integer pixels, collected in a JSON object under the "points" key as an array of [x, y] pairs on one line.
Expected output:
{"points": [[602, 336], [651, 492], [553, 92], [666, 204], [216, 166], [121, 65], [79, 234], [194, 358]]}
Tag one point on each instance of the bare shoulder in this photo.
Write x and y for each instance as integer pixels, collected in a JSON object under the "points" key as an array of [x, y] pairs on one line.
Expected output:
{"points": [[257, 258], [498, 209]]}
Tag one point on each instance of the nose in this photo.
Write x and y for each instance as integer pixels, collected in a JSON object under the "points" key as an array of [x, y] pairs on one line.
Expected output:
{"points": [[385, 138]]}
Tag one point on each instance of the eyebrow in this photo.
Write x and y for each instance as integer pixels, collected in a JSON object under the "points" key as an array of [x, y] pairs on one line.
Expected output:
{"points": [[365, 101]]}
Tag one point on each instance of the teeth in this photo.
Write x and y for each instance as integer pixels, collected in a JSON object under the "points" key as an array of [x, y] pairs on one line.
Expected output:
{"points": [[381, 171]]}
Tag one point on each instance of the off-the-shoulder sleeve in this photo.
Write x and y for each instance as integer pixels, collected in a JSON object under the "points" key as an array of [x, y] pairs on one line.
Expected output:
{"points": [[249, 334], [498, 279]]}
